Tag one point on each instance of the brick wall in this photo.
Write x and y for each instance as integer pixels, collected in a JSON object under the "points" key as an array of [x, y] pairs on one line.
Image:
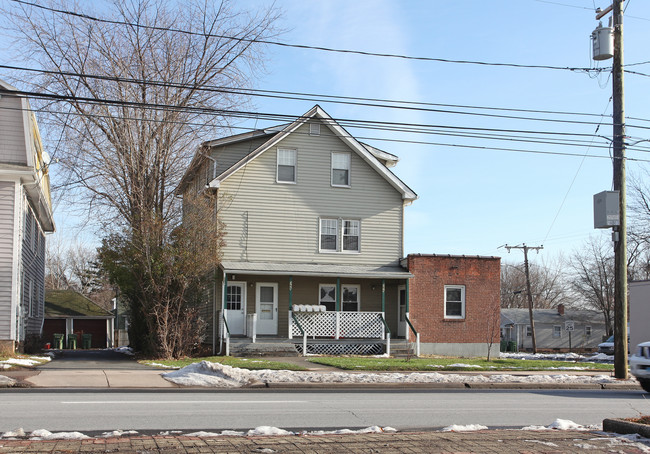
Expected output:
{"points": [[481, 278]]}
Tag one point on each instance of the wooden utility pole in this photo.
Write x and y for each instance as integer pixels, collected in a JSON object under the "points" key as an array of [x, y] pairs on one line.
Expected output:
{"points": [[620, 233], [530, 295]]}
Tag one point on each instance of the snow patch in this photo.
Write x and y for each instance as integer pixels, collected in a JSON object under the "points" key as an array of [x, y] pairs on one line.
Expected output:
{"points": [[6, 381], [564, 424], [118, 433], [42, 434], [267, 430], [126, 350], [545, 443], [13, 434], [465, 365], [467, 428]]}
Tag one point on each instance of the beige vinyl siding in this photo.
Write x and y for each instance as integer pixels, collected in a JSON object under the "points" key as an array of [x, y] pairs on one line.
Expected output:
{"points": [[267, 221], [7, 200], [33, 269], [229, 155], [12, 130]]}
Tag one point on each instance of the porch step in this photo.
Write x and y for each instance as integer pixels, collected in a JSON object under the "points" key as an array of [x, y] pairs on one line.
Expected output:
{"points": [[248, 349], [399, 348]]}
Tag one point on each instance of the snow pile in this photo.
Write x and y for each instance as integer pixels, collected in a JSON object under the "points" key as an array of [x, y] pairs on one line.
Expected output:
{"points": [[270, 430], [217, 375], [465, 365], [118, 433], [601, 357], [6, 381], [18, 433], [42, 434], [126, 350], [543, 356], [564, 424], [467, 428]]}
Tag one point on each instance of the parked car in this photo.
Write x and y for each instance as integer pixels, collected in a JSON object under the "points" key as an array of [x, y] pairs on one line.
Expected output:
{"points": [[640, 365], [607, 347]]}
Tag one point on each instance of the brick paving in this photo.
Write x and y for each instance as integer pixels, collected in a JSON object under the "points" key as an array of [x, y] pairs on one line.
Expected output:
{"points": [[490, 441]]}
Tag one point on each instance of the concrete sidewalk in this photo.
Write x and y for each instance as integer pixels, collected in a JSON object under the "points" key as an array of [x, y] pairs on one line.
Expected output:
{"points": [[490, 441]]}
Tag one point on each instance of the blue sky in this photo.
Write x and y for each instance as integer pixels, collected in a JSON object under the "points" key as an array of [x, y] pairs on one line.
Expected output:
{"points": [[471, 201]]}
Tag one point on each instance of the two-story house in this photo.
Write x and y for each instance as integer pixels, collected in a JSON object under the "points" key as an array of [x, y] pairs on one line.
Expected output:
{"points": [[25, 217], [314, 224]]}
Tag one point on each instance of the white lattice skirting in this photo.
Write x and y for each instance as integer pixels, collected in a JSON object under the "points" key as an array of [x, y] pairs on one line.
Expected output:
{"points": [[342, 349], [357, 325]]}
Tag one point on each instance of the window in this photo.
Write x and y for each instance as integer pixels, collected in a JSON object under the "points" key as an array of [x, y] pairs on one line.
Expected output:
{"points": [[350, 301], [351, 236], [286, 166], [314, 129], [327, 296], [454, 301], [557, 331], [328, 234], [529, 332], [234, 297], [587, 330], [340, 169]]}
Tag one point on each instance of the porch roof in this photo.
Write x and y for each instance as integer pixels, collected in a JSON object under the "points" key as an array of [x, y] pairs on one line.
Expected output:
{"points": [[310, 269]]}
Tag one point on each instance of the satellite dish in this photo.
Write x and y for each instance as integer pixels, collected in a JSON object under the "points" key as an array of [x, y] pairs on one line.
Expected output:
{"points": [[46, 158]]}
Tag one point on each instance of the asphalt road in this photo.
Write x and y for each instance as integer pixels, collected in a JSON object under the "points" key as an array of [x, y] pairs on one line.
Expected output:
{"points": [[299, 410]]}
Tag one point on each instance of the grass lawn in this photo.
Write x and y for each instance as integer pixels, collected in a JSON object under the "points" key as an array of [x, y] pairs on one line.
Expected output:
{"points": [[242, 363], [458, 364], [32, 361]]}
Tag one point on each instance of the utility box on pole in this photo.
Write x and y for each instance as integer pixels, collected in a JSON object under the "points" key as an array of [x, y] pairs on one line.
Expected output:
{"points": [[606, 210]]}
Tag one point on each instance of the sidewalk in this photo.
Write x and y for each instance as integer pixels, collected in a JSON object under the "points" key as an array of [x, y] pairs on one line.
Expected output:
{"points": [[491, 441]]}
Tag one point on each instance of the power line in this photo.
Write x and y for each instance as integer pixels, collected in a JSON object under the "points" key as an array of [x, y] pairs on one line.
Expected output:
{"points": [[304, 46]]}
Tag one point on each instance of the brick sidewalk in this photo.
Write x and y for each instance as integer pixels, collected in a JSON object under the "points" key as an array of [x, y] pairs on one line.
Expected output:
{"points": [[489, 441]]}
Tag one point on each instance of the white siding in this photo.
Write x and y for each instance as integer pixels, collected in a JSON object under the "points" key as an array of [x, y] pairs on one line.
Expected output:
{"points": [[12, 130], [269, 221], [7, 200]]}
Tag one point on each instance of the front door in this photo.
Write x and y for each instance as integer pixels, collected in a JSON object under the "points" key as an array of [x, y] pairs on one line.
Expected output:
{"points": [[267, 308], [401, 322], [236, 307]]}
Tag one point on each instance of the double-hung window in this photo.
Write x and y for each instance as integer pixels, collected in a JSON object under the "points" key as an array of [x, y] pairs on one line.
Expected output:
{"points": [[557, 331], [340, 169], [340, 235], [455, 301], [329, 235], [350, 300], [286, 165]]}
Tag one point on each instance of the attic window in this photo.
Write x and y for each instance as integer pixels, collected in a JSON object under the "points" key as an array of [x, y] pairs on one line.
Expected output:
{"points": [[314, 129], [340, 169]]}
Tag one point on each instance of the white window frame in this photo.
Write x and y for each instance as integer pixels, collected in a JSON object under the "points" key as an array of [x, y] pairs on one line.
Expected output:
{"points": [[343, 302], [529, 331], [332, 169], [279, 152], [320, 287], [314, 129], [557, 331], [588, 330], [462, 302], [320, 234], [357, 223]]}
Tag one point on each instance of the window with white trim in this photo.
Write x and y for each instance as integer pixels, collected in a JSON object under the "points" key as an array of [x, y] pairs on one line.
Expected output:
{"points": [[340, 169], [588, 330], [329, 235], [455, 301], [529, 331], [327, 296], [351, 235], [314, 129], [286, 172], [350, 298], [557, 331]]}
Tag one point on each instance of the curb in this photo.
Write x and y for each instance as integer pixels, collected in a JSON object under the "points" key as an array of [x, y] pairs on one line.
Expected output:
{"points": [[454, 385], [621, 426]]}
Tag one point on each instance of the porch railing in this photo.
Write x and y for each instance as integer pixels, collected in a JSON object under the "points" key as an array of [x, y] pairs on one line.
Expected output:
{"points": [[295, 321], [417, 335], [225, 333], [339, 325], [251, 326]]}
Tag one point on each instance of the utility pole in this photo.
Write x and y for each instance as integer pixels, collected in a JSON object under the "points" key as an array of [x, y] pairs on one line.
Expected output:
{"points": [[620, 233], [530, 295]]}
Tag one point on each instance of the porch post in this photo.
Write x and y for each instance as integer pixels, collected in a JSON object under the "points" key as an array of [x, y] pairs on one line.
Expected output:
{"points": [[290, 293], [383, 295], [338, 294]]}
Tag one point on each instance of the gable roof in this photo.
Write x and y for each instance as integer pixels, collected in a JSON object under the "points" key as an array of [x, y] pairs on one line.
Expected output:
{"points": [[369, 154], [550, 316], [68, 303]]}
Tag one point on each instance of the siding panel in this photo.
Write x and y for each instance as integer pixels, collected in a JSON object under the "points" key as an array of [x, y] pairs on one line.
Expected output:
{"points": [[7, 198], [12, 131]]}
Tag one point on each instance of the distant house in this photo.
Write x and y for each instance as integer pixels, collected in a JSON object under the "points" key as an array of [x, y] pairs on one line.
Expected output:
{"points": [[25, 218], [69, 312], [453, 302], [555, 329]]}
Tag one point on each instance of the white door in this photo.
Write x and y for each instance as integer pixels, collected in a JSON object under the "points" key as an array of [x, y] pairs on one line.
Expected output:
{"points": [[266, 305], [401, 322], [235, 310]]}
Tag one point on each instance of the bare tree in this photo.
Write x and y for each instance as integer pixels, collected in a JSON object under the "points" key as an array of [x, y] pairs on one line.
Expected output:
{"points": [[548, 286], [133, 86], [492, 330], [592, 277]]}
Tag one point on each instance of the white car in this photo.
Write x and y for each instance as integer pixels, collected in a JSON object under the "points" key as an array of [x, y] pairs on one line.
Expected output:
{"points": [[640, 365], [607, 347]]}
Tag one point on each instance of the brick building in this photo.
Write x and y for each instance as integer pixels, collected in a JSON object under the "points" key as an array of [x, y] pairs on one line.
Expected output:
{"points": [[454, 303]]}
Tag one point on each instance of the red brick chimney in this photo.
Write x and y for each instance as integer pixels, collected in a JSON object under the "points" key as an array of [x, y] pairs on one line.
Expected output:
{"points": [[560, 309]]}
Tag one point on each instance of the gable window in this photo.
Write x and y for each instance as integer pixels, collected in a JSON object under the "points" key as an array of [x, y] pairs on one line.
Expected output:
{"points": [[557, 331], [286, 166], [340, 169], [588, 330], [327, 296], [328, 234], [351, 236], [350, 301], [454, 301], [314, 129]]}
